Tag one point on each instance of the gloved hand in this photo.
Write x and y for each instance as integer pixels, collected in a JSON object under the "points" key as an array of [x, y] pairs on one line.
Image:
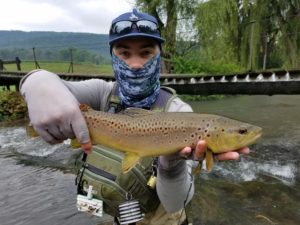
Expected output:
{"points": [[53, 110], [168, 162]]}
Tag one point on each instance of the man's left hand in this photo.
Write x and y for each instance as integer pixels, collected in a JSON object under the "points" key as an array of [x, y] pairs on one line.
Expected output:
{"points": [[201, 147]]}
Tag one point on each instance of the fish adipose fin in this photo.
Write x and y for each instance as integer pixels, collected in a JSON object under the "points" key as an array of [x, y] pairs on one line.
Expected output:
{"points": [[129, 161]]}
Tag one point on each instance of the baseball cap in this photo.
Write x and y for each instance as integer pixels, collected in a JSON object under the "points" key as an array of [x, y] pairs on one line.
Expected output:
{"points": [[134, 24]]}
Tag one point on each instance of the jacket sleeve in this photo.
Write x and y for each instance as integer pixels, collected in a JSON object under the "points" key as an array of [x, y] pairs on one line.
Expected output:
{"points": [[93, 92], [175, 183]]}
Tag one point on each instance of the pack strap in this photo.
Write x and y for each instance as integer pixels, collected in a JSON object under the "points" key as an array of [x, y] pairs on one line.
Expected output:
{"points": [[101, 172], [162, 103], [78, 179]]}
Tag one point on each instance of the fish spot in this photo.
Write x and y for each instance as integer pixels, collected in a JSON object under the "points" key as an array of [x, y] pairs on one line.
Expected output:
{"points": [[208, 135], [199, 137], [243, 131]]}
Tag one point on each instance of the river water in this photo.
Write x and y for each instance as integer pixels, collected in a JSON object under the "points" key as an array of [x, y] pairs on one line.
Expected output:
{"points": [[37, 180]]}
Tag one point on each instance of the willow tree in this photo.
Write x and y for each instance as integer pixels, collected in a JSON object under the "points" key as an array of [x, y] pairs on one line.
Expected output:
{"points": [[170, 14], [249, 31], [221, 25], [288, 17]]}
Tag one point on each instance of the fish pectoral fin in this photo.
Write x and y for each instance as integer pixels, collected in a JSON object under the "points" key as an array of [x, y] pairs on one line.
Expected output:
{"points": [[129, 161], [209, 160], [137, 112]]}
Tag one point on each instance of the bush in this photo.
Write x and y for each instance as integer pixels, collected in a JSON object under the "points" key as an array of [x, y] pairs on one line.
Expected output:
{"points": [[186, 65], [12, 106]]}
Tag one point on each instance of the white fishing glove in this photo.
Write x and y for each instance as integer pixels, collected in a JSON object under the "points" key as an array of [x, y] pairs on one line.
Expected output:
{"points": [[53, 110]]}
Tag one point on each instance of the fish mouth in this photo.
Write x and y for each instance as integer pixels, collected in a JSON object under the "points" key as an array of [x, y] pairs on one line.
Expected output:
{"points": [[255, 137], [259, 134]]}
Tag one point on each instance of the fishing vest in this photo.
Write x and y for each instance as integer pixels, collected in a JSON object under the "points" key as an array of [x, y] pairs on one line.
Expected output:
{"points": [[102, 168]]}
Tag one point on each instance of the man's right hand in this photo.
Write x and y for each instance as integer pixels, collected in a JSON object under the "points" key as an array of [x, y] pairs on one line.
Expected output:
{"points": [[53, 110]]}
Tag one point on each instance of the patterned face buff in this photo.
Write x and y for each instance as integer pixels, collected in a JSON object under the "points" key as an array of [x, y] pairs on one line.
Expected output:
{"points": [[137, 87]]}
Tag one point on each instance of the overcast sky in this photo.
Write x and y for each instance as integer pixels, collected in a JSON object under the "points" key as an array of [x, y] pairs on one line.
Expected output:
{"points": [[91, 16]]}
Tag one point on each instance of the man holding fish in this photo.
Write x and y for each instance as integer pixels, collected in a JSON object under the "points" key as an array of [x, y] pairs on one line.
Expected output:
{"points": [[135, 45]]}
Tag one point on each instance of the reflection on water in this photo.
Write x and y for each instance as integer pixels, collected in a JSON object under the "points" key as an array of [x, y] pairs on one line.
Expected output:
{"points": [[263, 187], [37, 180]]}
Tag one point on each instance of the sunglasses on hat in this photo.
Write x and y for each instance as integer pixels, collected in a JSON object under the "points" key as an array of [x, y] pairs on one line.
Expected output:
{"points": [[125, 27]]}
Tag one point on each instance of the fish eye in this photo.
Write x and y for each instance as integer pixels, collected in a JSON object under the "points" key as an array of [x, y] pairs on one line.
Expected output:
{"points": [[243, 131]]}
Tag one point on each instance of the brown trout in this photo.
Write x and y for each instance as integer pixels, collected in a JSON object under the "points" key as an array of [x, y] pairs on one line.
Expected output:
{"points": [[140, 133]]}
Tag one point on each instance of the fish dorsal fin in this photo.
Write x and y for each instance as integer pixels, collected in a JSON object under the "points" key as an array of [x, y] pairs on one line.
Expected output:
{"points": [[84, 107], [137, 112]]}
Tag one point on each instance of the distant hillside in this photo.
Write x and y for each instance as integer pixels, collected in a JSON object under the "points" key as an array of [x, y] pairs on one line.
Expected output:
{"points": [[55, 41]]}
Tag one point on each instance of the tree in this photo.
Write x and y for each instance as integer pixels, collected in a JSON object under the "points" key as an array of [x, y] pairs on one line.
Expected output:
{"points": [[247, 32], [221, 25], [288, 17], [168, 14]]}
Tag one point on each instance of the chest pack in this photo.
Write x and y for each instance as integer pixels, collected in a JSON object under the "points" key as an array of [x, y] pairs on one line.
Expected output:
{"points": [[102, 168]]}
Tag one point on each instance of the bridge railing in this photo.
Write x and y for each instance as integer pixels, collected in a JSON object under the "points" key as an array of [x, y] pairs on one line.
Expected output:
{"points": [[17, 61], [252, 83]]}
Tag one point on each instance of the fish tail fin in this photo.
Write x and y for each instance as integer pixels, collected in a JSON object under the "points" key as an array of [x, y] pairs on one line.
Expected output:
{"points": [[75, 143], [209, 160], [32, 133], [129, 161]]}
